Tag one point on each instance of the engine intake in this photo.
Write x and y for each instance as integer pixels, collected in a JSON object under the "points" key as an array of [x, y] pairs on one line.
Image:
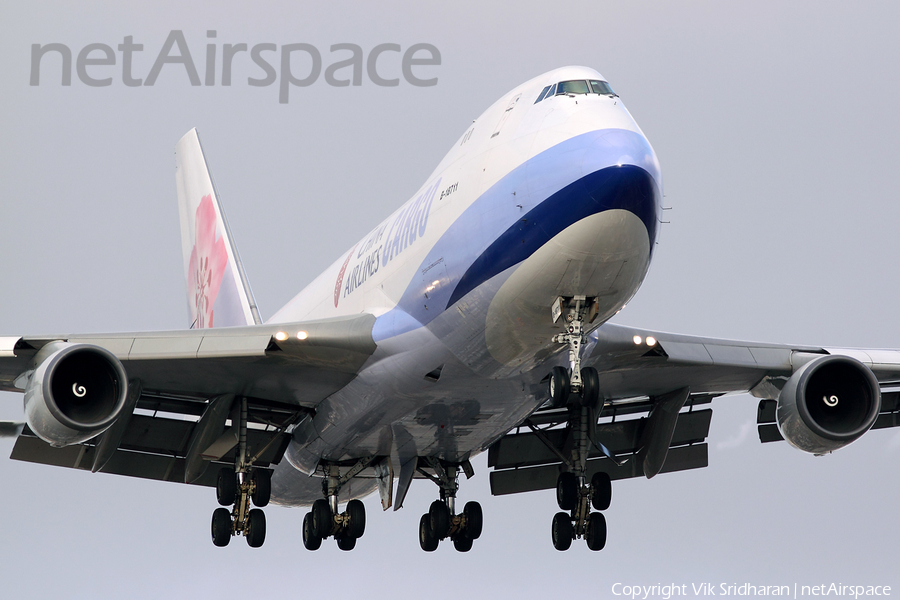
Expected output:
{"points": [[76, 393], [828, 403]]}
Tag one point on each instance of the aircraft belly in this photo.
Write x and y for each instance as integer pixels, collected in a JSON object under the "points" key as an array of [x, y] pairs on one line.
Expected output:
{"points": [[604, 255], [290, 487], [393, 409]]}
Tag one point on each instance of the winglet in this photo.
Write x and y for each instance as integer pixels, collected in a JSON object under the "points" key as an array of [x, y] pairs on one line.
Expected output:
{"points": [[217, 287]]}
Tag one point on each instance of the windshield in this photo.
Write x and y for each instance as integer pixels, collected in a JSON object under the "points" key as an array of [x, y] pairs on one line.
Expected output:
{"points": [[601, 87], [579, 86]]}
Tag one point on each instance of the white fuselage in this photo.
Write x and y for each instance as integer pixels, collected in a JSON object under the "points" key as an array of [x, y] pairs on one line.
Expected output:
{"points": [[535, 200]]}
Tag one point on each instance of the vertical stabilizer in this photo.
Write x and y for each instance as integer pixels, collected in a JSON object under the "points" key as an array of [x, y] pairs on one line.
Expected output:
{"points": [[218, 291]]}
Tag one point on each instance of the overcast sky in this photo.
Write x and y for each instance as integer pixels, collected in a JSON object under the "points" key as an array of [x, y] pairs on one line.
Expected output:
{"points": [[776, 126]]}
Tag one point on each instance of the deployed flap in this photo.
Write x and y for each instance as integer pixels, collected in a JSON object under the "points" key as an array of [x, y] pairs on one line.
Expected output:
{"points": [[217, 287]]}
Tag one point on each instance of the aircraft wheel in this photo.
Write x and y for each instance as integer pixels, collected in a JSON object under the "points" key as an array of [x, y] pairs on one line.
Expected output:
{"points": [[346, 543], [322, 519], [226, 487], [601, 491], [562, 531], [590, 387], [567, 491], [310, 540], [356, 510], [262, 478], [439, 519], [221, 527], [596, 532], [559, 386], [474, 520], [427, 540], [257, 525], [462, 543]]}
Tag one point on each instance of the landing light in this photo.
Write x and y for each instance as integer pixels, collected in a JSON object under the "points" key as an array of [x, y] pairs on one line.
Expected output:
{"points": [[302, 335], [637, 340], [651, 341], [281, 336]]}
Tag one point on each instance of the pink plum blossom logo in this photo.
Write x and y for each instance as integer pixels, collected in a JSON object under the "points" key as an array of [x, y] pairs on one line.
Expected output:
{"points": [[340, 277], [207, 265]]}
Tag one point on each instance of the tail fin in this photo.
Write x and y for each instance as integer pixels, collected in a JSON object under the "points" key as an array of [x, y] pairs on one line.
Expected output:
{"points": [[217, 287]]}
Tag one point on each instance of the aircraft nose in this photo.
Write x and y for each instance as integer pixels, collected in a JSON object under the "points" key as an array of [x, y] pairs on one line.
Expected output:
{"points": [[620, 171]]}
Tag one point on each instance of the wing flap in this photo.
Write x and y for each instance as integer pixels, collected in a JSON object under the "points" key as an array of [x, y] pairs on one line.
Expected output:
{"points": [[522, 462], [621, 438], [155, 447], [531, 479]]}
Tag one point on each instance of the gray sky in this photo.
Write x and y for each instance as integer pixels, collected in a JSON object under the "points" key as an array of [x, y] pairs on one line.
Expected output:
{"points": [[776, 127]]}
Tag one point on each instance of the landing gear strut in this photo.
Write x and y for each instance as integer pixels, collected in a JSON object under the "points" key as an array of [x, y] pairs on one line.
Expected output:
{"points": [[441, 521], [239, 487], [326, 520], [574, 495]]}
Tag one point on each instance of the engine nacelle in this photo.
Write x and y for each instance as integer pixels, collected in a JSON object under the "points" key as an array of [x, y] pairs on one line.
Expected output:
{"points": [[76, 393], [828, 403]]}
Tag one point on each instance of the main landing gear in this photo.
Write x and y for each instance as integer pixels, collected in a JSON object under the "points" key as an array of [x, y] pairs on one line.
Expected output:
{"points": [[579, 522], [239, 487], [441, 520], [325, 519], [579, 390]]}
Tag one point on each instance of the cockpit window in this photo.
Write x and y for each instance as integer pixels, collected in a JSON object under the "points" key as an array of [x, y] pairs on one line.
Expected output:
{"points": [[579, 86], [576, 86], [601, 87], [543, 93]]}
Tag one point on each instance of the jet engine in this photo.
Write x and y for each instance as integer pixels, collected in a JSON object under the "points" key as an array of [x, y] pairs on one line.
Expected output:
{"points": [[76, 393], [828, 403]]}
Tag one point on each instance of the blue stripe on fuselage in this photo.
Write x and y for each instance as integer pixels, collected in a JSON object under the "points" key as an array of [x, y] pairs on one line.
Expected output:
{"points": [[584, 175], [627, 187]]}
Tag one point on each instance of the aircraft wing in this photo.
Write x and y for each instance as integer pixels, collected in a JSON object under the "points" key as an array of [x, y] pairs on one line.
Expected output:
{"points": [[175, 379], [643, 375]]}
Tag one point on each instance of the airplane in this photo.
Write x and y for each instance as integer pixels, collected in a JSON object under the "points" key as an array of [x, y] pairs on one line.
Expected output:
{"points": [[475, 318]]}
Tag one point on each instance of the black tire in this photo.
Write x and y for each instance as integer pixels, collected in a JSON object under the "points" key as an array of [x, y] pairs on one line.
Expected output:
{"points": [[256, 521], [221, 527], [439, 515], [356, 510], [226, 487], [559, 386], [601, 491], [427, 540], [310, 540], [346, 543], [590, 387], [322, 519], [262, 479], [567, 491], [474, 520], [462, 543], [596, 532], [562, 531]]}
